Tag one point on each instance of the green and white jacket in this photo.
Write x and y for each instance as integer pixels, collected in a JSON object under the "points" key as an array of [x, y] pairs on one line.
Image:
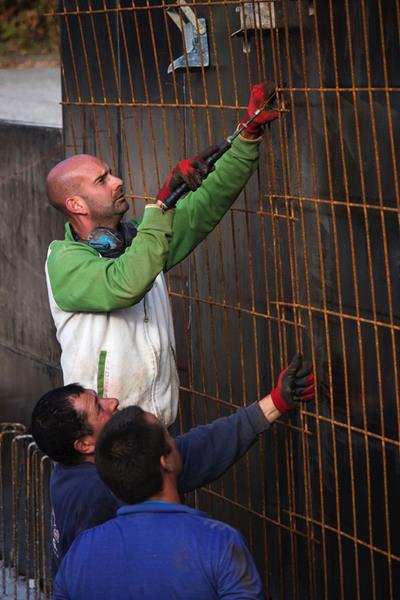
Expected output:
{"points": [[113, 317]]}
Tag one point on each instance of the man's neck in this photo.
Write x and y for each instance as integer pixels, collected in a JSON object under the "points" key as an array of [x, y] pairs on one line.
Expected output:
{"points": [[169, 493], [88, 458], [83, 229]]}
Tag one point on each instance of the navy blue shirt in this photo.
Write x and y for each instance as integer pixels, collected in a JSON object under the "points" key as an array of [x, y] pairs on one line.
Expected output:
{"points": [[158, 551], [80, 499]]}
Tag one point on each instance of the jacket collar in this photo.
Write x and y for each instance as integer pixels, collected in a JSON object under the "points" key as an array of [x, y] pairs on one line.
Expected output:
{"points": [[68, 232], [152, 506]]}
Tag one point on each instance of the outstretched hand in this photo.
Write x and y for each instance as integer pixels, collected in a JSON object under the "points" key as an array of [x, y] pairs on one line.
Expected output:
{"points": [[260, 93], [296, 384], [191, 171]]}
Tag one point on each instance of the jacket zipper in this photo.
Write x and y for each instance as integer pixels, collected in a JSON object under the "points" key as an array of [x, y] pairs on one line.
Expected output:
{"points": [[153, 399]]}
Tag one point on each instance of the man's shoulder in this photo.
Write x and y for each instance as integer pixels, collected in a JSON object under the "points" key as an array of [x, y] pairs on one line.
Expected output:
{"points": [[68, 245], [204, 528], [82, 470], [80, 489], [68, 237], [211, 530], [65, 255], [101, 531], [215, 527], [76, 470], [77, 477]]}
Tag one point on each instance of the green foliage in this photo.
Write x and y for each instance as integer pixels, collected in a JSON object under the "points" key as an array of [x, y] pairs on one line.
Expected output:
{"points": [[24, 24]]}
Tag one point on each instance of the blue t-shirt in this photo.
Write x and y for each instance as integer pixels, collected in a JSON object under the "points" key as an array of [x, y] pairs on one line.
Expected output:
{"points": [[80, 499], [158, 551]]}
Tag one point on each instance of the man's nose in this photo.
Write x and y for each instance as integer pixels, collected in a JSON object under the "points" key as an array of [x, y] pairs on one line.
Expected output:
{"points": [[110, 403], [117, 181]]}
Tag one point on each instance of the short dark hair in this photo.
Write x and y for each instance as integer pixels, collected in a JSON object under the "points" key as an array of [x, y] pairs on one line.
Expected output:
{"points": [[56, 425], [128, 452]]}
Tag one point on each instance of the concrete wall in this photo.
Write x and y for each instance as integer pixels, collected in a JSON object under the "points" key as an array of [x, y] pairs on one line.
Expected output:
{"points": [[29, 354]]}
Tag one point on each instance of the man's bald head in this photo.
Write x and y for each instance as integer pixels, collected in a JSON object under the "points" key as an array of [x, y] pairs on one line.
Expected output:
{"points": [[64, 180], [84, 188]]}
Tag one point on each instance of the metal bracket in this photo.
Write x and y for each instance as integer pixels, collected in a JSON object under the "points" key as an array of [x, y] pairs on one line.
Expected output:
{"points": [[269, 15], [194, 31]]}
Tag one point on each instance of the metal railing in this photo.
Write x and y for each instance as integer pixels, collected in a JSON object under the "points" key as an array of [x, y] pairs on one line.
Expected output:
{"points": [[24, 516]]}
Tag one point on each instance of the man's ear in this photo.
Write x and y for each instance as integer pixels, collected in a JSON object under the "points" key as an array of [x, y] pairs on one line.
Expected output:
{"points": [[166, 463], [85, 445], [76, 205]]}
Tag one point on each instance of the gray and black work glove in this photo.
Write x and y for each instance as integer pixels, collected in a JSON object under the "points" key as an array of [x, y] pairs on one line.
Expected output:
{"points": [[296, 384]]}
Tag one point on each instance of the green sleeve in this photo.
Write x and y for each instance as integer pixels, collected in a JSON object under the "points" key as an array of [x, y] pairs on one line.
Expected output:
{"points": [[82, 281], [199, 212]]}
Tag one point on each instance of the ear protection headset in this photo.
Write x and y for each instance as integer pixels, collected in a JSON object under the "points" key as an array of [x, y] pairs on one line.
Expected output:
{"points": [[111, 243]]}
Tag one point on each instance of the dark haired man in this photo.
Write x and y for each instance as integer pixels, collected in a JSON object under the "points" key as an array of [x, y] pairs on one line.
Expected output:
{"points": [[156, 548], [67, 421], [107, 291]]}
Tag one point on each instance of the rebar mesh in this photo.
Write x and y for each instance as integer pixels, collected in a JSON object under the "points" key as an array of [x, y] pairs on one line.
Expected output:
{"points": [[307, 258]]}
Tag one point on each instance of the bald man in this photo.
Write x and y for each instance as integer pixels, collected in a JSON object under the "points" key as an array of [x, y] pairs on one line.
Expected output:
{"points": [[107, 292]]}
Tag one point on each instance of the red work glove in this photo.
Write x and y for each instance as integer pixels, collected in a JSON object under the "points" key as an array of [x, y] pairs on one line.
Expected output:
{"points": [[295, 384], [259, 95], [191, 171]]}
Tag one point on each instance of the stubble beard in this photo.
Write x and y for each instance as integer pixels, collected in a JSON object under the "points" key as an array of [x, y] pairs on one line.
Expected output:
{"points": [[110, 217]]}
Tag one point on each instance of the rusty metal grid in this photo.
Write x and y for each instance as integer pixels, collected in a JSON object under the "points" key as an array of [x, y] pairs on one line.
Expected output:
{"points": [[307, 258]]}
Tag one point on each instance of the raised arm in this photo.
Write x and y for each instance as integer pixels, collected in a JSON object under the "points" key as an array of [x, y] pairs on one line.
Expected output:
{"points": [[209, 450], [200, 211]]}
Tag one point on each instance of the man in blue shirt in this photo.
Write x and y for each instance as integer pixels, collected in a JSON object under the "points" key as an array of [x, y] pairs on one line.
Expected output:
{"points": [[156, 548], [67, 421]]}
